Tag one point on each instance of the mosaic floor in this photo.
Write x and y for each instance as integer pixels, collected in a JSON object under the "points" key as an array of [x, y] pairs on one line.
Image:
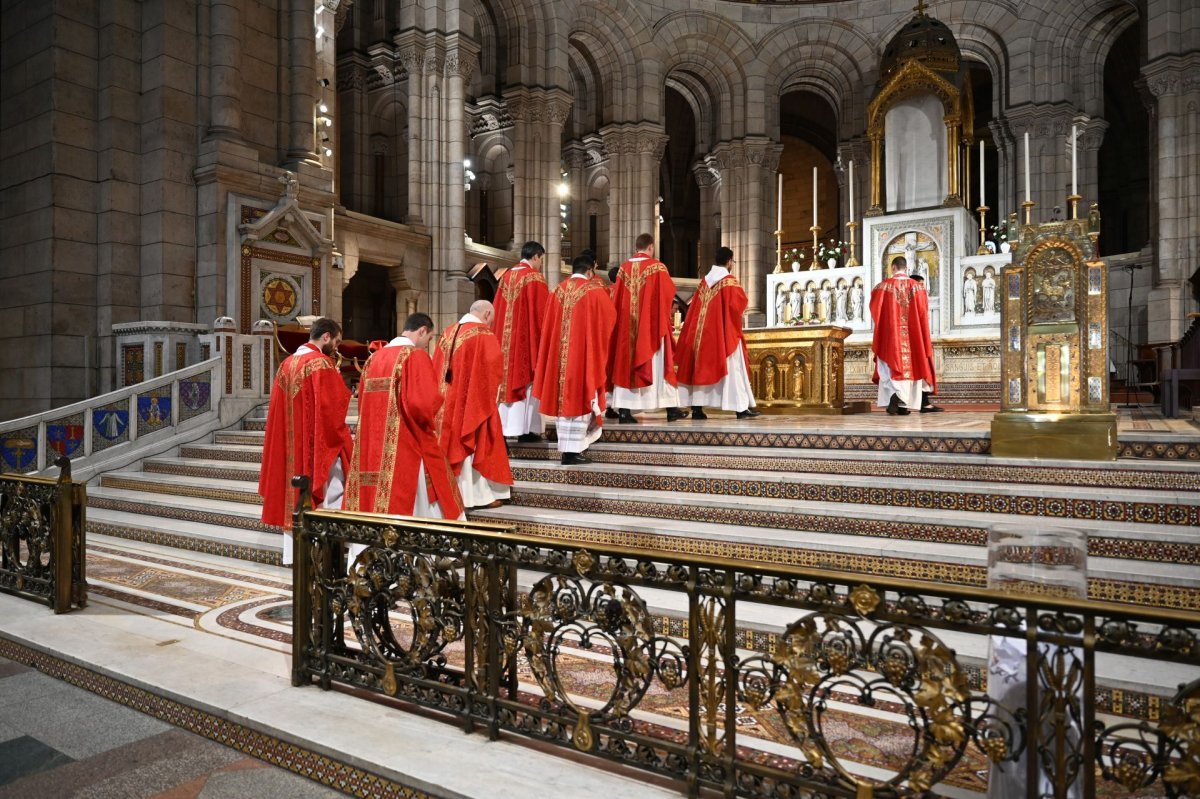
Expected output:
{"points": [[248, 607]]}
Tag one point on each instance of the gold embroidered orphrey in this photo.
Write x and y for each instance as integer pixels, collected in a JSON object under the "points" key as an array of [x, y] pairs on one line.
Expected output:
{"points": [[638, 275], [387, 466], [705, 294], [290, 379], [510, 289]]}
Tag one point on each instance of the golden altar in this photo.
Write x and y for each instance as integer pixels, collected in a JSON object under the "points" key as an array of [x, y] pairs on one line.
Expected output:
{"points": [[798, 370]]}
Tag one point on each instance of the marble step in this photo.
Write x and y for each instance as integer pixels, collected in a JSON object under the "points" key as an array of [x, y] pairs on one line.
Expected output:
{"points": [[1143, 475], [242, 471], [203, 488], [740, 515], [223, 452], [262, 545], [156, 505]]}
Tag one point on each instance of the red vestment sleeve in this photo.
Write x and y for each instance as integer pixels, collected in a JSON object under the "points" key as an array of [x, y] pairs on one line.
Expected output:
{"points": [[643, 296], [470, 419], [573, 359], [520, 304], [712, 331], [902, 339]]}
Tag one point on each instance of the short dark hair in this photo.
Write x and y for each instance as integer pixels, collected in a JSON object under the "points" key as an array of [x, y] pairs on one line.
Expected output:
{"points": [[582, 263], [643, 241], [589, 253], [899, 262], [322, 326], [532, 249], [724, 256], [613, 274], [417, 321]]}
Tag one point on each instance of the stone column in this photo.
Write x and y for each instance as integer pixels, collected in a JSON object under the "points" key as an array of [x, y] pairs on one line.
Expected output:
{"points": [[575, 158], [1006, 170], [857, 150], [224, 71], [748, 168], [538, 116], [709, 181], [302, 79], [355, 190], [1049, 127], [1174, 83], [634, 153]]}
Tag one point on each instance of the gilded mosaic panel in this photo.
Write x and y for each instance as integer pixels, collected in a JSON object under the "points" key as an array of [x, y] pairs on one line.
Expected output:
{"points": [[154, 410], [195, 396], [110, 425], [65, 436], [18, 450]]}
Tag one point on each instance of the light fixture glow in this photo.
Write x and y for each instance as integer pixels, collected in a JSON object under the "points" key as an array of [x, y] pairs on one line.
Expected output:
{"points": [[466, 163], [563, 189], [328, 151], [324, 109]]}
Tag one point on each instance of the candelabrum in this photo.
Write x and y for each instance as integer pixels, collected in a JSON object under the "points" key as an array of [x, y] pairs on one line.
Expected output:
{"points": [[1074, 201], [1028, 207], [778, 251], [983, 250], [816, 231], [853, 259]]}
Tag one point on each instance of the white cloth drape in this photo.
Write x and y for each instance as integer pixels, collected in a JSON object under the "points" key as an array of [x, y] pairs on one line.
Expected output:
{"points": [[909, 390], [519, 418], [731, 393], [659, 394]]}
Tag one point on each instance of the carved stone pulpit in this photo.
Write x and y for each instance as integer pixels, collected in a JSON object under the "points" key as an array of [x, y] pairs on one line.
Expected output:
{"points": [[1054, 343]]}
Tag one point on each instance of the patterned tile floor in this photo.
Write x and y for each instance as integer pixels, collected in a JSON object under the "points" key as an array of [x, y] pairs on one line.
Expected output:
{"points": [[58, 740]]}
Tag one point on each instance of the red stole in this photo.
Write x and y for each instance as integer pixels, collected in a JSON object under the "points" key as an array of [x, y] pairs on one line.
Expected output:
{"points": [[643, 295], [572, 365], [520, 304], [306, 433], [900, 310], [398, 404], [712, 331], [469, 421]]}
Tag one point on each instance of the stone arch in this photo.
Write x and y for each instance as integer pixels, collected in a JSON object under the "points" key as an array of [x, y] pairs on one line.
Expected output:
{"points": [[1057, 34], [838, 62], [1090, 51], [617, 45], [716, 52], [986, 47]]}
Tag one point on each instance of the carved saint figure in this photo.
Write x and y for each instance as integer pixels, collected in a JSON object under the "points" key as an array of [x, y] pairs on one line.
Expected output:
{"points": [[970, 289], [810, 304], [796, 304], [856, 302], [989, 293], [839, 303], [781, 303], [825, 303]]}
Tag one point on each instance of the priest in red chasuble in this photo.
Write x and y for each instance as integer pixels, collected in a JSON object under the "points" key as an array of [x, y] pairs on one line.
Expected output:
{"points": [[902, 343], [520, 305], [469, 366], [642, 361], [711, 352], [399, 466], [306, 430], [572, 365]]}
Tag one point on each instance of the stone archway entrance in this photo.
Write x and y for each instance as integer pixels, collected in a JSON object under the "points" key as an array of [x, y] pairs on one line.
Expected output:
{"points": [[369, 305]]}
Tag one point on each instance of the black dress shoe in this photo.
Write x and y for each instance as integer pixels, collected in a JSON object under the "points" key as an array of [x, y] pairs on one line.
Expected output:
{"points": [[528, 438], [698, 412], [749, 413], [626, 417], [927, 405], [894, 408], [675, 414], [574, 459], [611, 413]]}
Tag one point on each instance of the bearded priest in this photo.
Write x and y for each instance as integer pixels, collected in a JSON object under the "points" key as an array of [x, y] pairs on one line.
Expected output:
{"points": [[306, 430], [469, 366], [572, 363]]}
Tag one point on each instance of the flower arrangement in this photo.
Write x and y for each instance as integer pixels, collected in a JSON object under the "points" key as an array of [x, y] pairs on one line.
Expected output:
{"points": [[999, 232], [834, 249]]}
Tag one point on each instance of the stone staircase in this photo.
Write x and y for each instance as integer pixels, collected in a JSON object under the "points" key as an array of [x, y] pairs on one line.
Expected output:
{"points": [[702, 490]]}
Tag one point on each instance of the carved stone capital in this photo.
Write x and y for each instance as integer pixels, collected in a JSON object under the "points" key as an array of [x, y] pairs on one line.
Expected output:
{"points": [[461, 64], [642, 138], [1172, 75]]}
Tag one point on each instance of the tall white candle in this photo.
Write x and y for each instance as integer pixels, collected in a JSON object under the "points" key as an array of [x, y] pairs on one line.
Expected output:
{"points": [[1028, 198], [779, 205], [814, 196], [982, 193], [851, 191], [1074, 166]]}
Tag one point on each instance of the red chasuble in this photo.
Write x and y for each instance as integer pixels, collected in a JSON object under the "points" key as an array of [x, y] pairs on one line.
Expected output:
{"points": [[469, 421], [643, 295], [572, 365], [712, 330], [900, 310], [306, 433], [520, 304], [397, 410]]}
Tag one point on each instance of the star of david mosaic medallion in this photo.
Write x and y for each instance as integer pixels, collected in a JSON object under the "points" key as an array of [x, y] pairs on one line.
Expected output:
{"points": [[280, 296]]}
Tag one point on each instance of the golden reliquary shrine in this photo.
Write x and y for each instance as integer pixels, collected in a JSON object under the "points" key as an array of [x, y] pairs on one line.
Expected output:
{"points": [[797, 369], [1054, 363]]}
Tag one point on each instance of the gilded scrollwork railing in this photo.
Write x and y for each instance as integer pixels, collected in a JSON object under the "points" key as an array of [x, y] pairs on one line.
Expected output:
{"points": [[42, 538], [449, 615]]}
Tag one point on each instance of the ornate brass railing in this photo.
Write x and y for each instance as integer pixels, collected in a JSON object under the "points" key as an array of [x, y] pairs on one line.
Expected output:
{"points": [[438, 620], [42, 538]]}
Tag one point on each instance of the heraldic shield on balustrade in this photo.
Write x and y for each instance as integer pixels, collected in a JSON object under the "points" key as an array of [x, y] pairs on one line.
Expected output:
{"points": [[431, 612]]}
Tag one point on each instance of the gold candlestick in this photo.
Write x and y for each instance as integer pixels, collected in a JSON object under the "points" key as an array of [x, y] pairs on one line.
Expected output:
{"points": [[1074, 201], [1028, 206], [853, 259], [983, 250], [816, 231], [778, 252]]}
